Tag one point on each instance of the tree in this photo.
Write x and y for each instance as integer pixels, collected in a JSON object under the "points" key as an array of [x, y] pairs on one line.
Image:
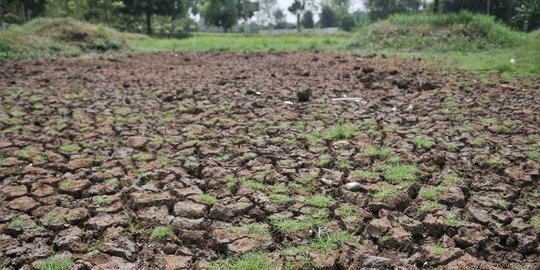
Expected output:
{"points": [[25, 9], [328, 17], [307, 20], [527, 15], [347, 22], [264, 16], [173, 8], [297, 8], [221, 13], [381, 9], [279, 18]]}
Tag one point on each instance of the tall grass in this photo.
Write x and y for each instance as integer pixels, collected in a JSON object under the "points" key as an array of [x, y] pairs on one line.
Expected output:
{"points": [[49, 37], [454, 32]]}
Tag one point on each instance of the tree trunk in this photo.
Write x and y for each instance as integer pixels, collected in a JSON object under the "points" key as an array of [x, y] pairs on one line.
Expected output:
{"points": [[435, 6], [298, 27], [488, 7], [148, 23]]}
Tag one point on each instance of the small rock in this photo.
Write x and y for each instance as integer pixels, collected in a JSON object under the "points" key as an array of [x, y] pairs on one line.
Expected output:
{"points": [[189, 209], [229, 211], [353, 186], [136, 142], [479, 215], [368, 70], [173, 262], [303, 96], [376, 262]]}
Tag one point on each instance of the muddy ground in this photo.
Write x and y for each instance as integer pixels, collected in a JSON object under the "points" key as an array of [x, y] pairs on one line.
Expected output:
{"points": [[177, 160]]}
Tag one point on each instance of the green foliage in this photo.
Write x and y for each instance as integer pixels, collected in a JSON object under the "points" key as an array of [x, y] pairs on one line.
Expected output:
{"points": [[385, 192], [347, 212], [423, 142], [374, 151], [381, 9], [331, 241], [364, 174], [69, 148], [16, 223], [328, 17], [439, 250], [161, 232], [535, 155], [247, 261], [221, 13], [430, 205], [56, 262], [397, 173], [242, 42], [48, 37], [319, 201], [341, 131], [208, 198], [284, 224], [452, 180], [453, 219], [347, 23], [430, 192], [462, 32]]}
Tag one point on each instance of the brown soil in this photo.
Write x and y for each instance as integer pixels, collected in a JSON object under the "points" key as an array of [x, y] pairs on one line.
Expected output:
{"points": [[96, 153]]}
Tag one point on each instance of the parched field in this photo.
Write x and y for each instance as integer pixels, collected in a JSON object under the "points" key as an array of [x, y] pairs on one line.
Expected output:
{"points": [[209, 161]]}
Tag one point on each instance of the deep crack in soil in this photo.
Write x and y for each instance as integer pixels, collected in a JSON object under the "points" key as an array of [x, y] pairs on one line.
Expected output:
{"points": [[173, 161]]}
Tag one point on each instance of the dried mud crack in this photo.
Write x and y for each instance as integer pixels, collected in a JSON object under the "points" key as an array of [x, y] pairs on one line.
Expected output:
{"points": [[179, 161]]}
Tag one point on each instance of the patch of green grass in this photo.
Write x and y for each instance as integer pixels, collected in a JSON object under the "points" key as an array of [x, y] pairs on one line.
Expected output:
{"points": [[112, 182], [397, 173], [254, 229], [16, 223], [502, 203], [242, 42], [453, 219], [94, 250], [280, 199], [341, 131], [385, 192], [325, 160], [430, 192], [247, 261], [101, 201], [319, 201], [494, 160], [208, 198], [365, 174], [451, 146], [255, 185], [283, 224], [161, 232], [535, 221], [347, 212], [134, 229], [331, 241], [423, 142], [535, 155], [343, 165], [439, 250], [69, 148], [452, 180], [430, 205], [56, 262], [374, 151], [65, 184]]}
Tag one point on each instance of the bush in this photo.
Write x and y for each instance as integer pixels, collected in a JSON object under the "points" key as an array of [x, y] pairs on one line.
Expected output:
{"points": [[348, 23]]}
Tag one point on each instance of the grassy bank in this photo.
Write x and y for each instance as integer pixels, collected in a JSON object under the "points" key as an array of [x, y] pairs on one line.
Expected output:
{"points": [[471, 41], [243, 42], [53, 37]]}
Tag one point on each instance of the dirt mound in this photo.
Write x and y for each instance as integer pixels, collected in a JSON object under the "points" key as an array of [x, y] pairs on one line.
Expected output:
{"points": [[463, 32], [210, 161], [45, 37]]}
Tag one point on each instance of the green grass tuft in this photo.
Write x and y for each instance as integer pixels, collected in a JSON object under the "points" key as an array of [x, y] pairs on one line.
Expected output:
{"points": [[247, 261], [56, 262]]}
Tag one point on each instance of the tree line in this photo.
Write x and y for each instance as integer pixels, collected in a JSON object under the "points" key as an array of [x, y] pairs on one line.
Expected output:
{"points": [[136, 15]]}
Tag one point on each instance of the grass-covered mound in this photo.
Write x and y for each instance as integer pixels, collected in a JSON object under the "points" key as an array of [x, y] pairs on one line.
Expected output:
{"points": [[461, 32], [50, 37]]}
